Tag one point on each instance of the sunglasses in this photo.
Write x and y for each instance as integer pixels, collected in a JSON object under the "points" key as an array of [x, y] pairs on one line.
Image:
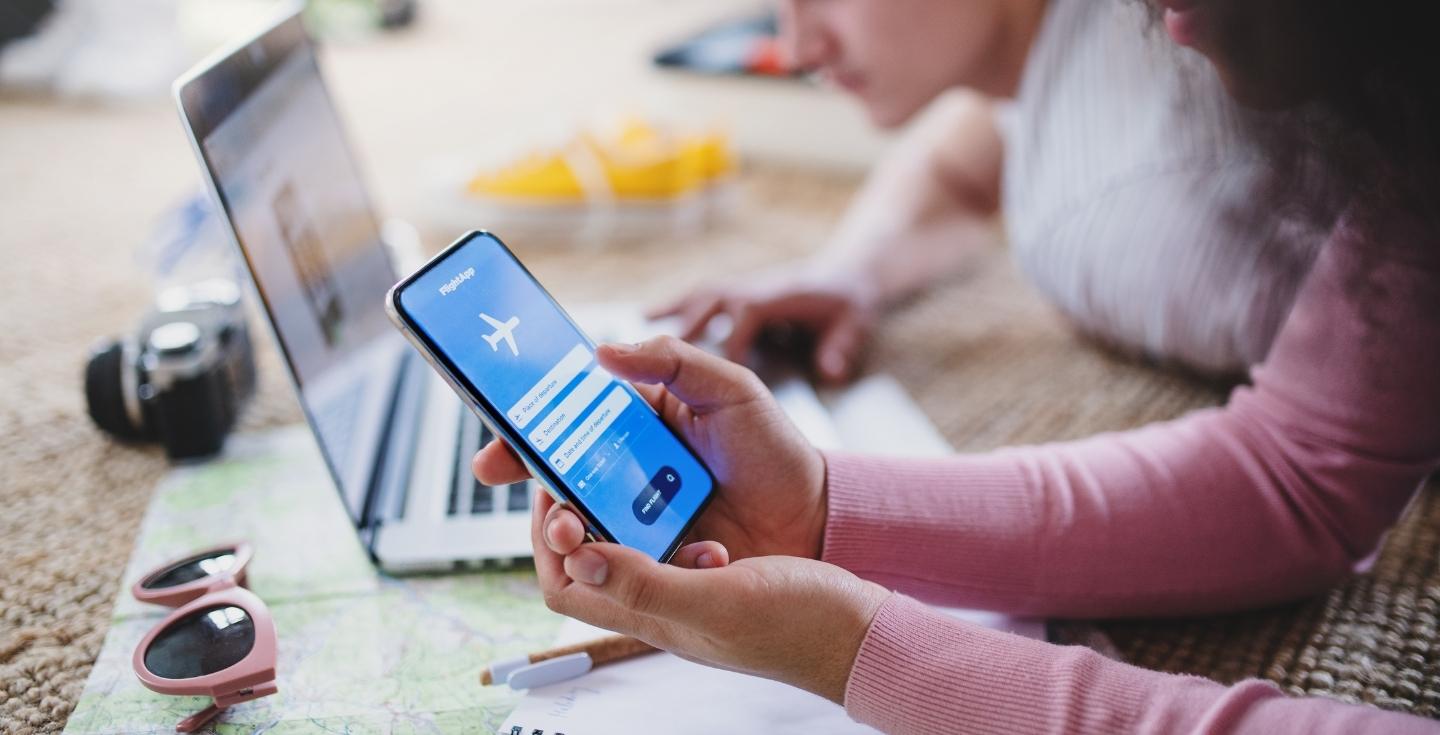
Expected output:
{"points": [[219, 642]]}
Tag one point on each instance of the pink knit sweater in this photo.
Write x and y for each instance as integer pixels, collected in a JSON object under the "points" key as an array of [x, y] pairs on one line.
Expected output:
{"points": [[1276, 496]]}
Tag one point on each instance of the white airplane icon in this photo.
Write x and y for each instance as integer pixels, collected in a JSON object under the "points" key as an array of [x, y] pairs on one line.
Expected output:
{"points": [[503, 330]]}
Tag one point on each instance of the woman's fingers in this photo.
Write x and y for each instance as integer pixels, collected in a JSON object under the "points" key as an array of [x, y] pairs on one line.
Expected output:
{"points": [[701, 555], [563, 530], [497, 464], [549, 566], [641, 585]]}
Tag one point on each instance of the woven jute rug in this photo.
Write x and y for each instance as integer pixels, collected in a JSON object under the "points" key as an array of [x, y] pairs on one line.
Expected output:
{"points": [[989, 362]]}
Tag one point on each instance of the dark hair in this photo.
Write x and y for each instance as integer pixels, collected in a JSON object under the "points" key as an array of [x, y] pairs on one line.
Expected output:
{"points": [[1367, 137], [1375, 119]]}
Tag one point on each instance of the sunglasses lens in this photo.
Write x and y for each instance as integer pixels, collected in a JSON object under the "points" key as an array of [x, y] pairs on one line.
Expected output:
{"points": [[203, 642], [189, 570]]}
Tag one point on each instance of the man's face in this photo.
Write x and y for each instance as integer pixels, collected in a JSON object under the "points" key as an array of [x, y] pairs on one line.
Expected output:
{"points": [[894, 55]]}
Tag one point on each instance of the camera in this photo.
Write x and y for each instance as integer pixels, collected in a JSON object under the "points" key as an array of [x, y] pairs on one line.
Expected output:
{"points": [[183, 377]]}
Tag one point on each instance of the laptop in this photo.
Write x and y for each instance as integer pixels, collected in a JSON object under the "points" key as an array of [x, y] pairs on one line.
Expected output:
{"points": [[395, 438], [398, 443]]}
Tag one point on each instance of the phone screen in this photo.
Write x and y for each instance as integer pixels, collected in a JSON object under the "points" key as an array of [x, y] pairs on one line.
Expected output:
{"points": [[505, 340]]}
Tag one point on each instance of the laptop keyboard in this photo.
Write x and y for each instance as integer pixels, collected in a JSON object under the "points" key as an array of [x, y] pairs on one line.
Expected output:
{"points": [[336, 422], [467, 495], [482, 499], [519, 500]]}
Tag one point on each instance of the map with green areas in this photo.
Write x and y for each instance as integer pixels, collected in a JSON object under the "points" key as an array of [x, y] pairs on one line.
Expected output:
{"points": [[359, 651]]}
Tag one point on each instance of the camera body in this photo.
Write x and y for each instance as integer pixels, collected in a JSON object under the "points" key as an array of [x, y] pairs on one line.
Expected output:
{"points": [[184, 376]]}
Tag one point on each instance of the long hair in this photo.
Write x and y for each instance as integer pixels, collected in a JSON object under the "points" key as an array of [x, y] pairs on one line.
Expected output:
{"points": [[1366, 138]]}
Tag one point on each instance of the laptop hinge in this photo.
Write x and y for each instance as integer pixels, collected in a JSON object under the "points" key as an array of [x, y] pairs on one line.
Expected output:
{"points": [[396, 451]]}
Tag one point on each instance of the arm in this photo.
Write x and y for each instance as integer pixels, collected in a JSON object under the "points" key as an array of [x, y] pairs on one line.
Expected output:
{"points": [[918, 671], [926, 206], [919, 217], [1273, 497]]}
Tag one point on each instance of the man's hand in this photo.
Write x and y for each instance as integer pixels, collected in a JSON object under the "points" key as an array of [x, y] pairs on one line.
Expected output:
{"points": [[838, 312]]}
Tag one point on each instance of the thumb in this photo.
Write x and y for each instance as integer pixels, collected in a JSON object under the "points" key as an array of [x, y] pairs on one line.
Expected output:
{"points": [[701, 555], [702, 380], [637, 582]]}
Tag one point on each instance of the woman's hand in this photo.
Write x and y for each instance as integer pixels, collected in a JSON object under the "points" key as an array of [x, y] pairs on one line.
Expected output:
{"points": [[838, 311], [770, 498], [797, 621]]}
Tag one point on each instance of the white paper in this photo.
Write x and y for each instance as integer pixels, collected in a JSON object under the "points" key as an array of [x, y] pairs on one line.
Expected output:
{"points": [[661, 693]]}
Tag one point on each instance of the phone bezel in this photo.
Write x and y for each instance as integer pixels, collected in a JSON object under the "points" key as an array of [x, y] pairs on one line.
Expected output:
{"points": [[487, 412]]}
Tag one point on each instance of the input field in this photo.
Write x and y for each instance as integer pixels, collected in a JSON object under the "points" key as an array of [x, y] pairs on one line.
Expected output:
{"points": [[568, 455], [558, 422], [544, 391]]}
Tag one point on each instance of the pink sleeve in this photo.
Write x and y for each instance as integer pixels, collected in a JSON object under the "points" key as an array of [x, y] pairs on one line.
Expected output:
{"points": [[1275, 496], [919, 671]]}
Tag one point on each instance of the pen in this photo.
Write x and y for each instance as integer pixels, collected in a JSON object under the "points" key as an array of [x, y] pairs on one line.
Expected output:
{"points": [[563, 662]]}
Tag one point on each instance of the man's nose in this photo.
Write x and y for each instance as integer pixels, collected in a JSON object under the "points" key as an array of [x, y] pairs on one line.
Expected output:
{"points": [[802, 36]]}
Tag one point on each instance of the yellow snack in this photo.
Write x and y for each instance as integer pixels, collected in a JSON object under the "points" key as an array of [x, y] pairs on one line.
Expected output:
{"points": [[639, 163], [539, 177]]}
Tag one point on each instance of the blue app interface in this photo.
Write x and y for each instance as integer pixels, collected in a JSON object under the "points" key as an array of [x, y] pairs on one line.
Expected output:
{"points": [[482, 311]]}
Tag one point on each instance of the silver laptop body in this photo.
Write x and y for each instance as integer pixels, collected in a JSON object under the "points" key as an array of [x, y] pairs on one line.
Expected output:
{"points": [[397, 441]]}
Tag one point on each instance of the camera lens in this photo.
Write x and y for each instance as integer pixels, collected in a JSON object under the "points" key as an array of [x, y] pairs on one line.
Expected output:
{"points": [[175, 338], [104, 394]]}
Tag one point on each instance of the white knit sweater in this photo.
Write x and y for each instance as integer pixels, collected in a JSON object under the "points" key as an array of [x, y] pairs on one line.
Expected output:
{"points": [[1131, 194]]}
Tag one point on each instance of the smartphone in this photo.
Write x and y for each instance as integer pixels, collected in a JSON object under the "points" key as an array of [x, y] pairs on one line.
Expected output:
{"points": [[518, 360]]}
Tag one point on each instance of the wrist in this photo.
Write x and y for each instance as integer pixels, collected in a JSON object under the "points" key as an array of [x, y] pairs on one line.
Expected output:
{"points": [[851, 627], [822, 509], [853, 277]]}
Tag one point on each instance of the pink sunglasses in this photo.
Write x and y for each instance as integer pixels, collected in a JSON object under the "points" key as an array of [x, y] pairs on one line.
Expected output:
{"points": [[219, 642]]}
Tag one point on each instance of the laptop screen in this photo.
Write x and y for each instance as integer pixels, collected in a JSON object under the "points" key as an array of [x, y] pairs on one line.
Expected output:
{"points": [[275, 149]]}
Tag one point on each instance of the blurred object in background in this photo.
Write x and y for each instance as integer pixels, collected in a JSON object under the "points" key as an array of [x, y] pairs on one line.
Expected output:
{"points": [[20, 18], [188, 245], [349, 19], [206, 25], [209, 24], [638, 163], [109, 50], [182, 378], [747, 47], [731, 67], [636, 177], [98, 49], [396, 13]]}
